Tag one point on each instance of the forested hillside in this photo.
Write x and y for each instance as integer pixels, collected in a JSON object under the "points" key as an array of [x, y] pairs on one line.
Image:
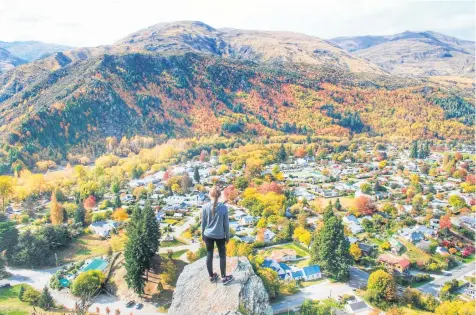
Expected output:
{"points": [[187, 78], [79, 106]]}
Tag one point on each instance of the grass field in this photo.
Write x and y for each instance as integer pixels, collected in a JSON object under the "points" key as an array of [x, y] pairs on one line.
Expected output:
{"points": [[10, 304], [176, 254], [90, 245], [171, 243], [301, 250], [414, 253]]}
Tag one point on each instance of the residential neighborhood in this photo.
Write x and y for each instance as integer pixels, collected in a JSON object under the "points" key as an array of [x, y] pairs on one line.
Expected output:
{"points": [[411, 218]]}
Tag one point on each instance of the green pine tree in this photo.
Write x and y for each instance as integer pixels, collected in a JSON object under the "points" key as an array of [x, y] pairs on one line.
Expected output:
{"points": [[151, 229], [20, 293], [80, 214], [337, 205], [331, 248], [117, 202], [136, 254], [414, 150], [196, 175], [282, 155], [46, 300]]}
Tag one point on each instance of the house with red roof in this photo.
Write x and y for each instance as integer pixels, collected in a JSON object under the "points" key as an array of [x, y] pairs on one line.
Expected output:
{"points": [[394, 263]]}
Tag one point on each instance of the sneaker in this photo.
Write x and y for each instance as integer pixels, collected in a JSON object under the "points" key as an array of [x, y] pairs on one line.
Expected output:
{"points": [[227, 279], [214, 278]]}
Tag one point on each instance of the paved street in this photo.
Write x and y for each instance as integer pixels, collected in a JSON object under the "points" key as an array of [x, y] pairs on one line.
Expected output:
{"points": [[323, 290], [457, 273]]}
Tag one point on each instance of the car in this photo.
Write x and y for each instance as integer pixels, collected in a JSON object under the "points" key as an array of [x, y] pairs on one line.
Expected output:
{"points": [[139, 306], [130, 303], [5, 286]]}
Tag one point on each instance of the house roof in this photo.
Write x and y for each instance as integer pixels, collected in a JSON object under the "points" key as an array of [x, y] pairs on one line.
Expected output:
{"points": [[394, 260], [311, 270], [357, 306], [280, 253], [297, 274]]}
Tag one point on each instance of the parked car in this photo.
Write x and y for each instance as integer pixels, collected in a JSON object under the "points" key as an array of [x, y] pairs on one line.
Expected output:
{"points": [[130, 303], [5, 286], [139, 306]]}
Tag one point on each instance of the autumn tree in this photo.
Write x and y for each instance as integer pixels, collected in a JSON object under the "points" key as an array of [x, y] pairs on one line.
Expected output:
{"points": [[230, 193], [56, 211], [445, 222], [89, 202], [381, 288], [365, 206], [355, 251], [120, 214], [6, 189], [87, 283]]}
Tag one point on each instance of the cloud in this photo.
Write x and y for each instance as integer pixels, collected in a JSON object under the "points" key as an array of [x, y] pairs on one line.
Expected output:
{"points": [[98, 22]]}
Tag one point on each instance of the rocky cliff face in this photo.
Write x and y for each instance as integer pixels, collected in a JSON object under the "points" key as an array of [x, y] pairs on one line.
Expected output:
{"points": [[195, 294]]}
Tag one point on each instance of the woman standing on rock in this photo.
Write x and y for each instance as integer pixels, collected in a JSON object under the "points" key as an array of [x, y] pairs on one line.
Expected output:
{"points": [[216, 229]]}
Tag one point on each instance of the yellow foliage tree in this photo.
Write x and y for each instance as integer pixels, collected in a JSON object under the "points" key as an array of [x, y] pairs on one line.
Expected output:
{"points": [[120, 214], [355, 251], [56, 211], [6, 189]]}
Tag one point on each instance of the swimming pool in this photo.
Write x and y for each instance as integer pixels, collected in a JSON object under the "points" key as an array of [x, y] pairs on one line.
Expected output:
{"points": [[95, 264]]}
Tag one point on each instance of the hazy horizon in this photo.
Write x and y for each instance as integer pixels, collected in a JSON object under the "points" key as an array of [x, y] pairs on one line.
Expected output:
{"points": [[101, 23]]}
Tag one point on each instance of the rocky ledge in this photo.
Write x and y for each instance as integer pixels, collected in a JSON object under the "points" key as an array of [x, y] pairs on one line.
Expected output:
{"points": [[195, 295]]}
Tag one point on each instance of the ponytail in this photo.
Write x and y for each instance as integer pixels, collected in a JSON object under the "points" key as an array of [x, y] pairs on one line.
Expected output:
{"points": [[215, 193]]}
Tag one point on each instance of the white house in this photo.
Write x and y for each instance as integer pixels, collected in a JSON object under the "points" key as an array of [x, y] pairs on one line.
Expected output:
{"points": [[103, 228]]}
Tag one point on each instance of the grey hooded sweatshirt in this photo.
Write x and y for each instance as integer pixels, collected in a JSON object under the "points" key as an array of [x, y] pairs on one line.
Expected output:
{"points": [[217, 226]]}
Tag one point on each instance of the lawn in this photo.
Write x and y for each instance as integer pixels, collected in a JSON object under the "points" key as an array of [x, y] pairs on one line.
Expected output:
{"points": [[90, 245], [419, 284], [170, 221], [301, 250], [313, 282], [414, 253], [10, 304], [173, 243], [176, 254]]}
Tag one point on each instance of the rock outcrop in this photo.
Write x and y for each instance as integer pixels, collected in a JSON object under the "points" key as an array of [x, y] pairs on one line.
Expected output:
{"points": [[194, 294]]}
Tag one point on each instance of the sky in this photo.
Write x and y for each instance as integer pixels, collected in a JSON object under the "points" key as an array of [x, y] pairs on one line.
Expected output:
{"points": [[101, 22]]}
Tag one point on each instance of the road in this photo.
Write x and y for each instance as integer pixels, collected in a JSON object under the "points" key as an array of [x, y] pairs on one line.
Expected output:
{"points": [[176, 234], [38, 279], [323, 290], [457, 273]]}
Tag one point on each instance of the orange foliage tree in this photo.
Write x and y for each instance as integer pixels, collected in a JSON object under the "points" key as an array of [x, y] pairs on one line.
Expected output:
{"points": [[89, 202], [230, 193], [365, 206]]}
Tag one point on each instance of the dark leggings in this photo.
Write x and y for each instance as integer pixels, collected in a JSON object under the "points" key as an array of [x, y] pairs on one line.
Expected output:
{"points": [[210, 243]]}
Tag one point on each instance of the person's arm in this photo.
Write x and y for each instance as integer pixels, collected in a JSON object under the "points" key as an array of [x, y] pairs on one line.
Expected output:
{"points": [[204, 220], [226, 225]]}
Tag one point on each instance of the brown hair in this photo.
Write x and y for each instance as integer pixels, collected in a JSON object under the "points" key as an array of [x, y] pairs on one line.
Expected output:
{"points": [[215, 193]]}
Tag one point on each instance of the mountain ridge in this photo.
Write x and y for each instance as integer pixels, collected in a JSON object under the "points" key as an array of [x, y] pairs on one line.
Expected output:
{"points": [[167, 83]]}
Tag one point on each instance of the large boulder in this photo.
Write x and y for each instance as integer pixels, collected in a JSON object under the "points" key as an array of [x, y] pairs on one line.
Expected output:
{"points": [[194, 294]]}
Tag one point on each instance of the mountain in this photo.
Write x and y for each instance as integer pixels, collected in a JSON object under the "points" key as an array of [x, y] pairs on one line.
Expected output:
{"points": [[8, 60], [413, 53], [32, 50], [186, 79]]}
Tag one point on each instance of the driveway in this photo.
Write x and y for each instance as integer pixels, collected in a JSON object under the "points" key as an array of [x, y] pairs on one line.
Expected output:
{"points": [[323, 290]]}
